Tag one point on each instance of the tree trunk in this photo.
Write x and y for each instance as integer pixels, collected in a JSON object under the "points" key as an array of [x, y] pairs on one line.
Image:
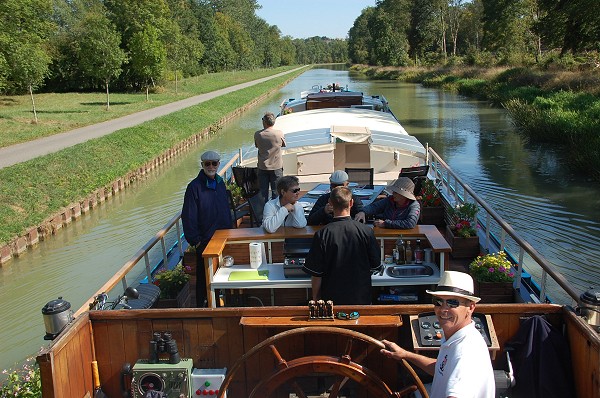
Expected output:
{"points": [[33, 104], [107, 96], [147, 97], [454, 40], [176, 90], [443, 25]]}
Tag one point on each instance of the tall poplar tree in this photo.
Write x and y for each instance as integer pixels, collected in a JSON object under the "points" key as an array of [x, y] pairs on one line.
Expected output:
{"points": [[148, 55], [99, 52], [359, 38]]}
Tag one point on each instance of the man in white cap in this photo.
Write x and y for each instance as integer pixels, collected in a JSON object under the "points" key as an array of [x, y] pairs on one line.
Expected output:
{"points": [[322, 211], [463, 367], [400, 210], [205, 209]]}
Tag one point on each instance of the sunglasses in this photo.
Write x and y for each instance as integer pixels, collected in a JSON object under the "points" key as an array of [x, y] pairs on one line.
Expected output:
{"points": [[295, 190], [213, 163], [343, 315], [451, 303]]}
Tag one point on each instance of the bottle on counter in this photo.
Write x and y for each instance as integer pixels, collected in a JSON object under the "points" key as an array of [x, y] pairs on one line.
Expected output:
{"points": [[408, 253], [419, 254], [401, 258]]}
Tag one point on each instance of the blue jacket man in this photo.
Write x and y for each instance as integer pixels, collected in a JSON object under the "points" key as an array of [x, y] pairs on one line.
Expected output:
{"points": [[205, 209]]}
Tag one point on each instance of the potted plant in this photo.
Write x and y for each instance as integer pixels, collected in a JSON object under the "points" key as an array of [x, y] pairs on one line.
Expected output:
{"points": [[174, 287], [236, 192], [432, 209], [493, 278], [461, 232]]}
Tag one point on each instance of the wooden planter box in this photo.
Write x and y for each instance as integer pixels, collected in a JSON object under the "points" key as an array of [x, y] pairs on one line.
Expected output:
{"points": [[462, 247], [183, 299], [432, 216], [494, 292]]}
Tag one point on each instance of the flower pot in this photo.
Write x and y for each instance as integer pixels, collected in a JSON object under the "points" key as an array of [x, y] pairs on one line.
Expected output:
{"points": [[432, 216], [183, 299], [494, 292], [462, 247]]}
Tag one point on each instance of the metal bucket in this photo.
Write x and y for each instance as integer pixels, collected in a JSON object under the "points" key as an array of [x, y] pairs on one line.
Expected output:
{"points": [[590, 307], [57, 314]]}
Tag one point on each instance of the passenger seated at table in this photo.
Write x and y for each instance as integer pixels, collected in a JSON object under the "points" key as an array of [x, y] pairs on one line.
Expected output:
{"points": [[284, 209], [322, 211], [400, 210], [342, 256]]}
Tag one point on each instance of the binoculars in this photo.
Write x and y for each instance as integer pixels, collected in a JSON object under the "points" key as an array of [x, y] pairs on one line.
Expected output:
{"points": [[163, 343]]}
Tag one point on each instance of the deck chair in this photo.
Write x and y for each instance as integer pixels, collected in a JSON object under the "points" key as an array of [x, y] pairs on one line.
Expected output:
{"points": [[247, 179], [361, 176], [237, 211], [257, 205], [416, 174]]}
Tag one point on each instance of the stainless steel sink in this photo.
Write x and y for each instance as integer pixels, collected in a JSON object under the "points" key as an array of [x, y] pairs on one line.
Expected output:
{"points": [[409, 271]]}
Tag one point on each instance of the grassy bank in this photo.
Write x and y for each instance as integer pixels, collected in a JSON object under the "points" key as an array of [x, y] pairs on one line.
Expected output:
{"points": [[558, 107], [31, 192], [59, 112]]}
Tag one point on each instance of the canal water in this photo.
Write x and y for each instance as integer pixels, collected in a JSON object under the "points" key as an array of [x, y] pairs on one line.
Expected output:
{"points": [[554, 209]]}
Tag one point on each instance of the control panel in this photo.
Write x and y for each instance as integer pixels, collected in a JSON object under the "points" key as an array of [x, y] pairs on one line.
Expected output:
{"points": [[207, 382], [429, 333]]}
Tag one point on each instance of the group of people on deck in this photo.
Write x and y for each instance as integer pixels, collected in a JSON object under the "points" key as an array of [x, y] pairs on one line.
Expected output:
{"points": [[344, 254]]}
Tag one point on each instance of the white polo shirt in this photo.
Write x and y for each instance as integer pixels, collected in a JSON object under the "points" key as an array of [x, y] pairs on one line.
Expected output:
{"points": [[463, 368]]}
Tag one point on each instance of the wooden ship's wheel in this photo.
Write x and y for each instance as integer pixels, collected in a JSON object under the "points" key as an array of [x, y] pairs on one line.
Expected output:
{"points": [[343, 368]]}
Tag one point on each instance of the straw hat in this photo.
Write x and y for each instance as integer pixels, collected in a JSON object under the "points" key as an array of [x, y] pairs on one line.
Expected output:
{"points": [[404, 186], [455, 284]]}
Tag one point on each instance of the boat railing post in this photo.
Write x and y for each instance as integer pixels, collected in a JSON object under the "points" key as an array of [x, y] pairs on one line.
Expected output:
{"points": [[148, 270], [164, 250], [124, 282], [488, 226], [543, 286], [502, 238], [179, 243], [520, 269]]}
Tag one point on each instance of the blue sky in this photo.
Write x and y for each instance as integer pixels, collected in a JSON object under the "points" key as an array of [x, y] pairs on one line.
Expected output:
{"points": [[307, 18]]}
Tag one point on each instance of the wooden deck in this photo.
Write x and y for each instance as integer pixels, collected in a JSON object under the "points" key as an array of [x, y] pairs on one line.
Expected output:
{"points": [[215, 338]]}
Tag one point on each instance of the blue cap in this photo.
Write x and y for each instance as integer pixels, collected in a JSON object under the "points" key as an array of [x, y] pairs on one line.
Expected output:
{"points": [[338, 177]]}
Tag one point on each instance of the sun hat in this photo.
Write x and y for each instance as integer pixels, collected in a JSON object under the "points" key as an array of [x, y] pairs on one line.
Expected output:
{"points": [[338, 177], [210, 155], [403, 186], [455, 284]]}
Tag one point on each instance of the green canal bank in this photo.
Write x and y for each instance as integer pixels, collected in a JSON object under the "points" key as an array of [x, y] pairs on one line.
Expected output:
{"points": [[40, 196], [560, 107]]}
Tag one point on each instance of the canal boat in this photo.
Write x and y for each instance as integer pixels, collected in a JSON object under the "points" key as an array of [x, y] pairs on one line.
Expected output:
{"points": [[260, 337], [333, 96]]}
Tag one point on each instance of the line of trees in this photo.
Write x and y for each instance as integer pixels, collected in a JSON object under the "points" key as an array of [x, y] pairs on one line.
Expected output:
{"points": [[79, 45], [485, 32]]}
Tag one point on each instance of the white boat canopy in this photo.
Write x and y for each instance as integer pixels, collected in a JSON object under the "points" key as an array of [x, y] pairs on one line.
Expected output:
{"points": [[320, 128]]}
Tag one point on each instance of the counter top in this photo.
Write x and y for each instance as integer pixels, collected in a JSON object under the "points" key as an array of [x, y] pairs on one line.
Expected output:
{"points": [[221, 237], [277, 280]]}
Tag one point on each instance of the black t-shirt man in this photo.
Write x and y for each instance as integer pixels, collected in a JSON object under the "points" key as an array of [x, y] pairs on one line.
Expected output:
{"points": [[342, 256]]}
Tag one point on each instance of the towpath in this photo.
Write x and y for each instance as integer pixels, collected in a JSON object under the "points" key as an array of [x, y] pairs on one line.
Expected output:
{"points": [[25, 151]]}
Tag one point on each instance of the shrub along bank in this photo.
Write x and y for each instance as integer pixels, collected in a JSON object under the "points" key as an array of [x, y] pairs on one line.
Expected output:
{"points": [[35, 190], [558, 107]]}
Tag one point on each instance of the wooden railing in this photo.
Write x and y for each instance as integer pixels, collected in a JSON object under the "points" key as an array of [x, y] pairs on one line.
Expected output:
{"points": [[458, 192], [169, 252]]}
